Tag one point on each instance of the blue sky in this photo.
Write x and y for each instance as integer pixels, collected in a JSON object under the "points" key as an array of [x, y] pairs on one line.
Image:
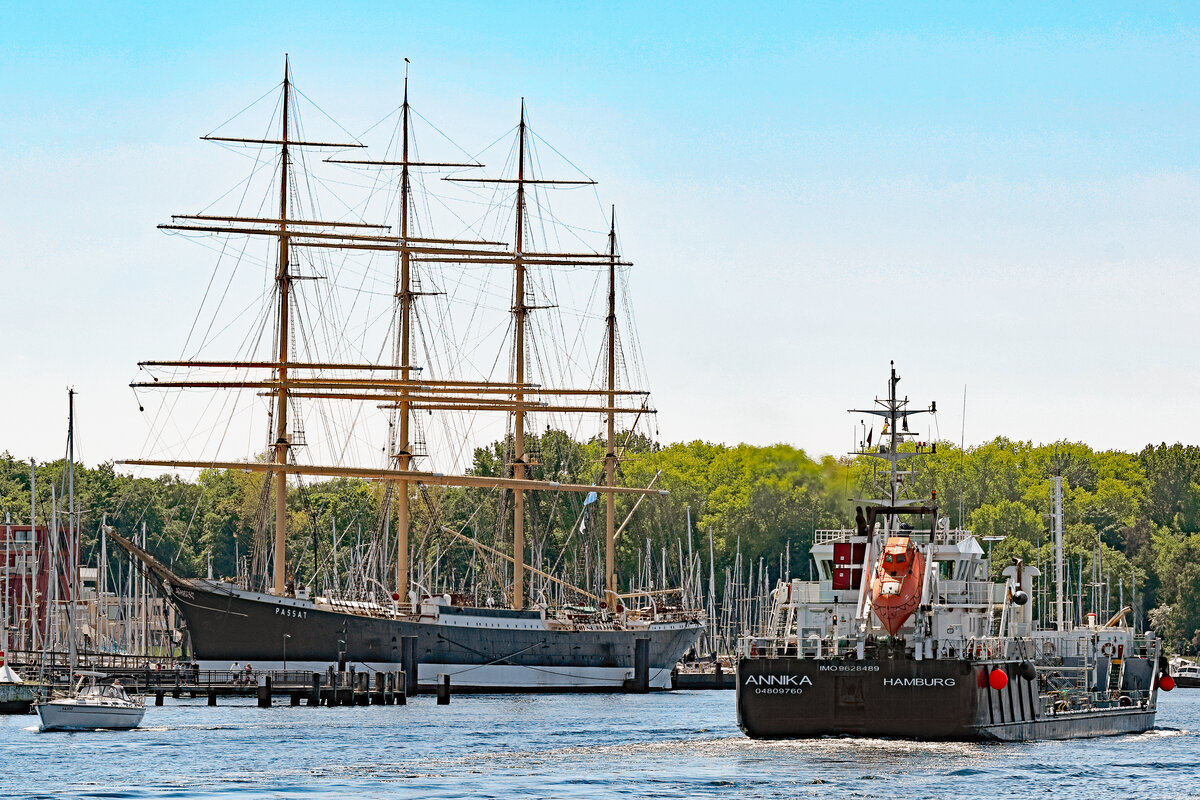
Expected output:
{"points": [[1001, 196]]}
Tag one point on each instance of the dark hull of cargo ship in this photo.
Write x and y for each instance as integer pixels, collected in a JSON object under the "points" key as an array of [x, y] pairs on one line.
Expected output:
{"points": [[942, 699]]}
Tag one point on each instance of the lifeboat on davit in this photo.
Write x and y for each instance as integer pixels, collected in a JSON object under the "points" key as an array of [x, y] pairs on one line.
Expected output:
{"points": [[896, 582]]}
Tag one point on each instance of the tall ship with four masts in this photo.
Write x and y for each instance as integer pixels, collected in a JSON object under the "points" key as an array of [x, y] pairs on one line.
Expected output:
{"points": [[600, 638], [905, 634]]}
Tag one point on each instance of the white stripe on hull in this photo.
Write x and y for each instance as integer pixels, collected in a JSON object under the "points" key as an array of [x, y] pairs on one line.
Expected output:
{"points": [[507, 676]]}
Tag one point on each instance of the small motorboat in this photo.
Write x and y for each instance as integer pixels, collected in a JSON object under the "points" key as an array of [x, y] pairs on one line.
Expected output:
{"points": [[92, 705], [1186, 673]]}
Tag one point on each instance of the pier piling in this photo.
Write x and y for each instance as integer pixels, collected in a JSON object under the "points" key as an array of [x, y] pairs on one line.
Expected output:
{"points": [[408, 662], [158, 697], [379, 697], [641, 665], [264, 692], [401, 686], [212, 697], [443, 689]]}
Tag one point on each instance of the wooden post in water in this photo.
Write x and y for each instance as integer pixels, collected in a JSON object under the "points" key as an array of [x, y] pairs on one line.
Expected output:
{"points": [[408, 661], [641, 665], [443, 689], [314, 693], [158, 697], [401, 687], [212, 697], [264, 691]]}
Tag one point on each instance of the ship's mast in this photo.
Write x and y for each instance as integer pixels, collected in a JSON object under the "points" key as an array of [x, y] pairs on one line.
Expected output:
{"points": [[610, 457], [894, 412], [294, 379], [283, 278], [519, 311], [893, 445], [404, 455]]}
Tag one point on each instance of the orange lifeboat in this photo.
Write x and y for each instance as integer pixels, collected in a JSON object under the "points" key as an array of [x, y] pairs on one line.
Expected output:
{"points": [[896, 584]]}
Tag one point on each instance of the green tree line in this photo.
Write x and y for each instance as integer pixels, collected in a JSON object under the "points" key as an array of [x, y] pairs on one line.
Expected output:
{"points": [[1131, 518]]}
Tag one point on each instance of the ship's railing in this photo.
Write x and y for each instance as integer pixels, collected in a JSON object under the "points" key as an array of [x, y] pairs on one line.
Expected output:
{"points": [[1069, 701], [806, 592], [957, 593], [188, 678], [34, 660], [952, 536], [365, 608], [812, 646], [827, 536], [941, 537]]}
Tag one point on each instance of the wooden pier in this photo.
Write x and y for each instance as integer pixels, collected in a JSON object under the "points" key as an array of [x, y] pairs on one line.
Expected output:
{"points": [[704, 676], [298, 687]]}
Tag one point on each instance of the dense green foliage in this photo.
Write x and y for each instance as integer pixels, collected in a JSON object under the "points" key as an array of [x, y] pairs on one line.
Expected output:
{"points": [[1129, 517]]}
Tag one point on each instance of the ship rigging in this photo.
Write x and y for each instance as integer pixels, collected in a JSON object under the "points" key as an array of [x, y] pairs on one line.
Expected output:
{"points": [[298, 372]]}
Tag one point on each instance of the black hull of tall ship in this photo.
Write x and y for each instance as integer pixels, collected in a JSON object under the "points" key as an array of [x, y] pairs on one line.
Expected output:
{"points": [[481, 649], [781, 698]]}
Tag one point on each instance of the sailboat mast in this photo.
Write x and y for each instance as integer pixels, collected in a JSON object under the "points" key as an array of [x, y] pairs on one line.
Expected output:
{"points": [[519, 310], [7, 576], [1059, 609], [35, 631], [610, 458], [404, 455], [72, 539], [284, 280]]}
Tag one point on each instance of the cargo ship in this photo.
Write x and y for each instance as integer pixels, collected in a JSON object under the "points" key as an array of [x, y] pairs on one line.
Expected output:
{"points": [[904, 634]]}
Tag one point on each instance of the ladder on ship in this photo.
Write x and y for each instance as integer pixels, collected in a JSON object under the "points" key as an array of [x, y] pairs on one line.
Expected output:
{"points": [[1116, 674]]}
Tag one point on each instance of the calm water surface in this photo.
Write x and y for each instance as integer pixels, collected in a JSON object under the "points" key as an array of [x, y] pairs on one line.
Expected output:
{"points": [[672, 745]]}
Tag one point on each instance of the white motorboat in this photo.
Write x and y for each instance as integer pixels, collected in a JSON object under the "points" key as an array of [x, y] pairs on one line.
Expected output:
{"points": [[1185, 673], [92, 706]]}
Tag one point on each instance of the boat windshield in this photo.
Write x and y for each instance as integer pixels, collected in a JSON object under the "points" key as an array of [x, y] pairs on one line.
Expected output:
{"points": [[112, 691]]}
